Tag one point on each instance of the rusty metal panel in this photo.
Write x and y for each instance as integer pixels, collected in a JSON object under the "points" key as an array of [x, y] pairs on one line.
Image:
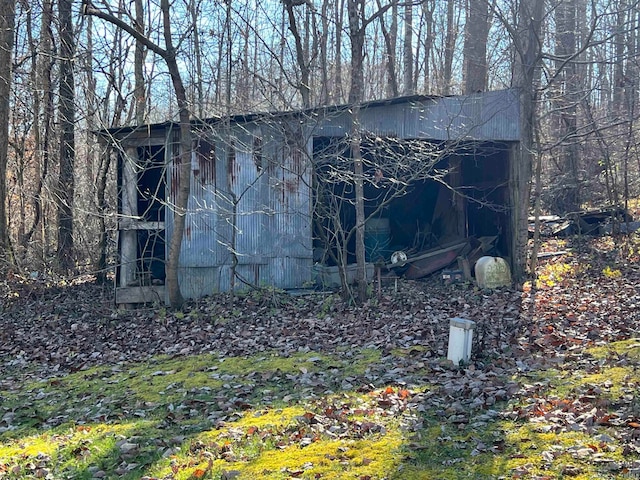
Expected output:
{"points": [[288, 224], [199, 245], [246, 180], [259, 209], [251, 182]]}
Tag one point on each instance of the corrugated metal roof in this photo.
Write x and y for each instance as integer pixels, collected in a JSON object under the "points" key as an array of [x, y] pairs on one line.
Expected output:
{"points": [[490, 116], [479, 116]]}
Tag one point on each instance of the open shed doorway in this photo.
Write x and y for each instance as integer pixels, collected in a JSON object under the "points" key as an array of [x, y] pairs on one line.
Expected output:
{"points": [[151, 208], [463, 193], [144, 226]]}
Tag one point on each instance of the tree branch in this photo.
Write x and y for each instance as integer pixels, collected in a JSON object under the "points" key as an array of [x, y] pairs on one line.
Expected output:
{"points": [[89, 9]]}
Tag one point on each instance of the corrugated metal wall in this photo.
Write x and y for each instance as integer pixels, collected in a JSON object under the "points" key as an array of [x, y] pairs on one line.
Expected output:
{"points": [[255, 208], [251, 183]]}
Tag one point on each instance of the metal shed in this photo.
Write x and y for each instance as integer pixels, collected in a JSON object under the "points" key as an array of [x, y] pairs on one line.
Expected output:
{"points": [[251, 214]]}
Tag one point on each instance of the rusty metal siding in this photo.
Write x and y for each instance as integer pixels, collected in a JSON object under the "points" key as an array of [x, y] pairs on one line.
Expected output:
{"points": [[245, 184], [272, 198], [289, 200], [269, 181]]}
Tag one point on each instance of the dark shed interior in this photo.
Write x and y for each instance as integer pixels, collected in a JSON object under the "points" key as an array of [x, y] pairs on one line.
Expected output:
{"points": [[151, 200], [419, 195]]}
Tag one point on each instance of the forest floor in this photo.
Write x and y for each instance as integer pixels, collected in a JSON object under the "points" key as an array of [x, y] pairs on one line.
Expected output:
{"points": [[267, 385]]}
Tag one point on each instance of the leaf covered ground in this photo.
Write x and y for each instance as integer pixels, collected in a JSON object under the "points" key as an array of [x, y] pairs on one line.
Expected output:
{"points": [[266, 385]]}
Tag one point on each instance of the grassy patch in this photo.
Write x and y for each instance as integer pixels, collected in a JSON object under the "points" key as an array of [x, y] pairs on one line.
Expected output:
{"points": [[311, 416], [266, 416]]}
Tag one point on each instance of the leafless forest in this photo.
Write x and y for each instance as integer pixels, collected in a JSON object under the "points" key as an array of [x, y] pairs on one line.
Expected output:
{"points": [[71, 68]]}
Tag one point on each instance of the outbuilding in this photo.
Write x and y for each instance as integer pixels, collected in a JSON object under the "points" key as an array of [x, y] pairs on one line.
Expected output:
{"points": [[272, 193]]}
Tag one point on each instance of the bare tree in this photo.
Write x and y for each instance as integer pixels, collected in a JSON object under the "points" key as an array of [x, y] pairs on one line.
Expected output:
{"points": [[302, 58], [527, 40], [66, 108], [407, 57], [139, 90], [449, 48], [425, 37], [475, 46], [169, 55], [390, 41], [7, 26]]}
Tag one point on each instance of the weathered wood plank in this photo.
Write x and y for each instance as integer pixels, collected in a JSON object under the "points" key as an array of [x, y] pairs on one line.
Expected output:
{"points": [[148, 294]]}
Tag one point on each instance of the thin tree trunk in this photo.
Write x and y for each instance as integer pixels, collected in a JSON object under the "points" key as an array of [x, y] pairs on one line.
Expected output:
{"points": [[427, 19], [449, 49], [390, 40], [139, 90], [42, 98], [301, 59], [567, 94], [475, 46], [407, 57], [356, 153], [338, 93], [324, 59], [356, 36], [184, 188], [618, 69], [528, 43], [7, 27], [197, 58], [66, 184]]}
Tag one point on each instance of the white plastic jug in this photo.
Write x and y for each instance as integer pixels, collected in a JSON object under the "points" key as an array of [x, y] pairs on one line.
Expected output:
{"points": [[492, 272]]}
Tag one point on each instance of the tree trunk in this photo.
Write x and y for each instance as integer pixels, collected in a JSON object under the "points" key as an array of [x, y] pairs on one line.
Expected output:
{"points": [[41, 92], [528, 43], [324, 54], [7, 27], [184, 177], [356, 154], [427, 24], [407, 57], [301, 59], [66, 108], [337, 94], [449, 49], [355, 13], [390, 40], [356, 37], [475, 47], [139, 90], [199, 102], [567, 94], [618, 69]]}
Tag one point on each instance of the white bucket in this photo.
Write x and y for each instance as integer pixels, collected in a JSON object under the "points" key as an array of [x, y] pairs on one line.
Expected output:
{"points": [[460, 340], [492, 272]]}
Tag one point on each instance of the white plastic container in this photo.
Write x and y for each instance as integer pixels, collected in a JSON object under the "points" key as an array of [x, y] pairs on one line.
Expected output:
{"points": [[492, 272], [460, 340]]}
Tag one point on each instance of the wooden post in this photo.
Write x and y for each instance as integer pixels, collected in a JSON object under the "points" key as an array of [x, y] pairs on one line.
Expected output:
{"points": [[459, 202], [463, 264], [128, 237]]}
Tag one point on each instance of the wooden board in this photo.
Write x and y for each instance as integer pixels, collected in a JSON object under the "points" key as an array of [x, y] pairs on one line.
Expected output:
{"points": [[149, 294]]}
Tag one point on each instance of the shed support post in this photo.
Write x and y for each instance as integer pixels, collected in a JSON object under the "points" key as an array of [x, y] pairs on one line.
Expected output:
{"points": [[459, 202], [128, 237]]}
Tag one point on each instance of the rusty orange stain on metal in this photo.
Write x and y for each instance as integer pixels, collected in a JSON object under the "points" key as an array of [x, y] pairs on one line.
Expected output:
{"points": [[206, 157]]}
